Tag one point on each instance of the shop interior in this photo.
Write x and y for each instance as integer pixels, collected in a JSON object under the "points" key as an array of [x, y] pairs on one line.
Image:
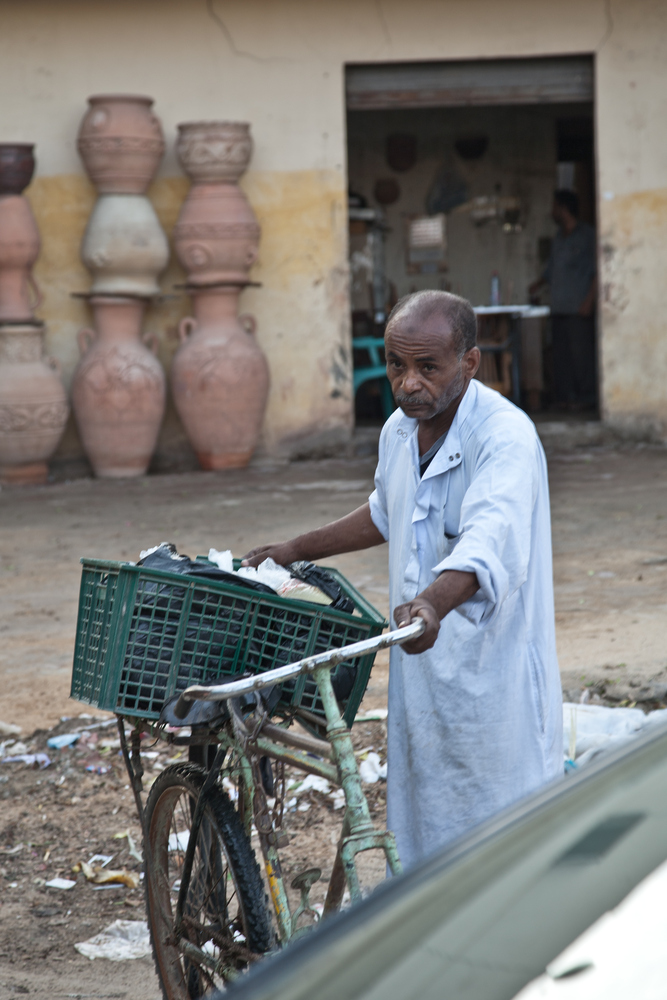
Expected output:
{"points": [[459, 198]]}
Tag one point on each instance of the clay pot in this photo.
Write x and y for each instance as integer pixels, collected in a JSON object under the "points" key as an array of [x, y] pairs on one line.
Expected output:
{"points": [[217, 235], [33, 404], [17, 165], [19, 249], [220, 380], [121, 143], [118, 389], [124, 246], [214, 152]]}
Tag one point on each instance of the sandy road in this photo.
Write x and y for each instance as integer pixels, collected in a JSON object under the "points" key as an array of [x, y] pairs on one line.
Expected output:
{"points": [[610, 569]]}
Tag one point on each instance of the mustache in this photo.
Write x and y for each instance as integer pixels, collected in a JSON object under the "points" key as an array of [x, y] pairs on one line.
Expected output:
{"points": [[402, 397]]}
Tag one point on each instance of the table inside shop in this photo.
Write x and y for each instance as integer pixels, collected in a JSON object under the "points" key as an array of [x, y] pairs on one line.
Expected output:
{"points": [[512, 343]]}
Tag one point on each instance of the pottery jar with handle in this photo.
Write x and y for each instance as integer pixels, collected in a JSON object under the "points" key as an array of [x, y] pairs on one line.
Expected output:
{"points": [[19, 249], [220, 380], [121, 143], [217, 235], [214, 152], [118, 389], [33, 404]]}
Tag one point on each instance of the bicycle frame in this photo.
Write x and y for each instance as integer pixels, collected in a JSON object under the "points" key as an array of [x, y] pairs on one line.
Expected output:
{"points": [[358, 833], [335, 760]]}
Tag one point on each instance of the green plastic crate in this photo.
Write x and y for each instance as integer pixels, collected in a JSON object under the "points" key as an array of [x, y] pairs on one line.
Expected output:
{"points": [[143, 635]]}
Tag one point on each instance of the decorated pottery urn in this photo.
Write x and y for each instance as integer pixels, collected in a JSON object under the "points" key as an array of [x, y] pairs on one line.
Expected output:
{"points": [[220, 380], [121, 143], [118, 389]]}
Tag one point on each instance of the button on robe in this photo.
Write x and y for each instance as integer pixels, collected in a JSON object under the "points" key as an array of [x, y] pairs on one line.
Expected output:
{"points": [[475, 723]]}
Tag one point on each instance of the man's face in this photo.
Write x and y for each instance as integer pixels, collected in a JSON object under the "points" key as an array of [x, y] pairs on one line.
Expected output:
{"points": [[560, 215], [425, 373]]}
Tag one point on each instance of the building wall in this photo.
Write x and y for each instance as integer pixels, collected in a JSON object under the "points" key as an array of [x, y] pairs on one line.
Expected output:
{"points": [[280, 65]]}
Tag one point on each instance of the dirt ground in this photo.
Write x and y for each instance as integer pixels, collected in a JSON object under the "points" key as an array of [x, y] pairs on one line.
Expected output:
{"points": [[610, 565]]}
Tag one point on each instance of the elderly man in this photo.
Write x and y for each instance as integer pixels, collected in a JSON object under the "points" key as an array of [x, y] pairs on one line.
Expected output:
{"points": [[475, 718]]}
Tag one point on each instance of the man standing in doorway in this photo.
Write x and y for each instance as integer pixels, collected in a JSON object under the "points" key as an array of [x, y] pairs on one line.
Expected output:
{"points": [[475, 716], [571, 275]]}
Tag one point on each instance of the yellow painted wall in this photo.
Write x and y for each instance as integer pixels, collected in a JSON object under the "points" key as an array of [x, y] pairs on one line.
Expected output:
{"points": [[280, 65]]}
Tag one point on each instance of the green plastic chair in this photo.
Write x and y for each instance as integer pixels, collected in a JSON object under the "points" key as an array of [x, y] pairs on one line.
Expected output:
{"points": [[376, 369]]}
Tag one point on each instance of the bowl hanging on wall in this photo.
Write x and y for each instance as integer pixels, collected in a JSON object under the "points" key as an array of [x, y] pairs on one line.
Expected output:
{"points": [[401, 151], [386, 191], [472, 147]]}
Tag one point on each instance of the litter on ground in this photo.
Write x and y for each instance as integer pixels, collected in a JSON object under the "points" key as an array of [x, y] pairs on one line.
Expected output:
{"points": [[102, 876], [131, 846], [591, 730], [120, 941], [371, 770], [63, 740], [30, 759], [60, 883]]}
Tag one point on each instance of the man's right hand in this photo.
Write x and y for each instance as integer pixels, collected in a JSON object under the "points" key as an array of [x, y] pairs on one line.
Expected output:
{"points": [[349, 534], [283, 554]]}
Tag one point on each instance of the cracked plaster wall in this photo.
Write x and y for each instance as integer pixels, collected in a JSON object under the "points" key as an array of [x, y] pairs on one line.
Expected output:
{"points": [[280, 65]]}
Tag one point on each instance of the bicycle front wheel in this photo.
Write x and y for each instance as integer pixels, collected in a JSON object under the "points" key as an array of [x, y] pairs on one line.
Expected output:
{"points": [[226, 924]]}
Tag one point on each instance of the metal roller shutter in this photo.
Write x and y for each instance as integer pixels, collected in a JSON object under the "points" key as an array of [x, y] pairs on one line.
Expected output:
{"points": [[551, 80]]}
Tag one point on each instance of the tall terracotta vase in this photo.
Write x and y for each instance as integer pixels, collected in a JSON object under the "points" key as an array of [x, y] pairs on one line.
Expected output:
{"points": [[220, 380], [118, 389], [33, 404], [19, 237], [220, 375]]}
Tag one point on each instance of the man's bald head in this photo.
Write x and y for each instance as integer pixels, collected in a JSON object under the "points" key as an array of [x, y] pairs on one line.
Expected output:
{"points": [[413, 310]]}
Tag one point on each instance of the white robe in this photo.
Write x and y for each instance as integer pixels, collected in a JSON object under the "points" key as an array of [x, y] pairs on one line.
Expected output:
{"points": [[475, 723]]}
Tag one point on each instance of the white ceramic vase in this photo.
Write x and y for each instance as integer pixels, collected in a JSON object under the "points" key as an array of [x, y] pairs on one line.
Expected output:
{"points": [[124, 246]]}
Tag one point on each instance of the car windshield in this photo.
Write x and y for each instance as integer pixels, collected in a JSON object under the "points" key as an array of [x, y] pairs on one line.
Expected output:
{"points": [[484, 918]]}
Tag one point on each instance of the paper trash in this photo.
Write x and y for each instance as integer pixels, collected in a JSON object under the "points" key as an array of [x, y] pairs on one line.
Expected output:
{"points": [[223, 560], [28, 758], [120, 941], [179, 841], [64, 740], [371, 769], [131, 846], [9, 729], [268, 572], [590, 730], [60, 883], [313, 783]]}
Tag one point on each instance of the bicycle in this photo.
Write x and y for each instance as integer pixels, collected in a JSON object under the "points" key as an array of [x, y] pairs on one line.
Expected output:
{"points": [[205, 896]]}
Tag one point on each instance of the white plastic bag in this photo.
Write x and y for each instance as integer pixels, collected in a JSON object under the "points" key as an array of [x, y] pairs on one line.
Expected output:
{"points": [[120, 941]]}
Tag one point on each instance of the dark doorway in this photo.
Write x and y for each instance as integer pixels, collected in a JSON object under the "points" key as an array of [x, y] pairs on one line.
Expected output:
{"points": [[480, 146]]}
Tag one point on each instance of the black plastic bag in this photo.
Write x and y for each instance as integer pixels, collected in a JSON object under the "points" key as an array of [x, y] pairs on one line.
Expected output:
{"points": [[215, 626], [324, 581]]}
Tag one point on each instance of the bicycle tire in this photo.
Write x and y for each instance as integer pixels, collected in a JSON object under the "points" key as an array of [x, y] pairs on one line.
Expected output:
{"points": [[225, 913]]}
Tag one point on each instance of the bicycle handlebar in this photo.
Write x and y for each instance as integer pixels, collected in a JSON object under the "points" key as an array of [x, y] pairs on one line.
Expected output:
{"points": [[222, 692]]}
